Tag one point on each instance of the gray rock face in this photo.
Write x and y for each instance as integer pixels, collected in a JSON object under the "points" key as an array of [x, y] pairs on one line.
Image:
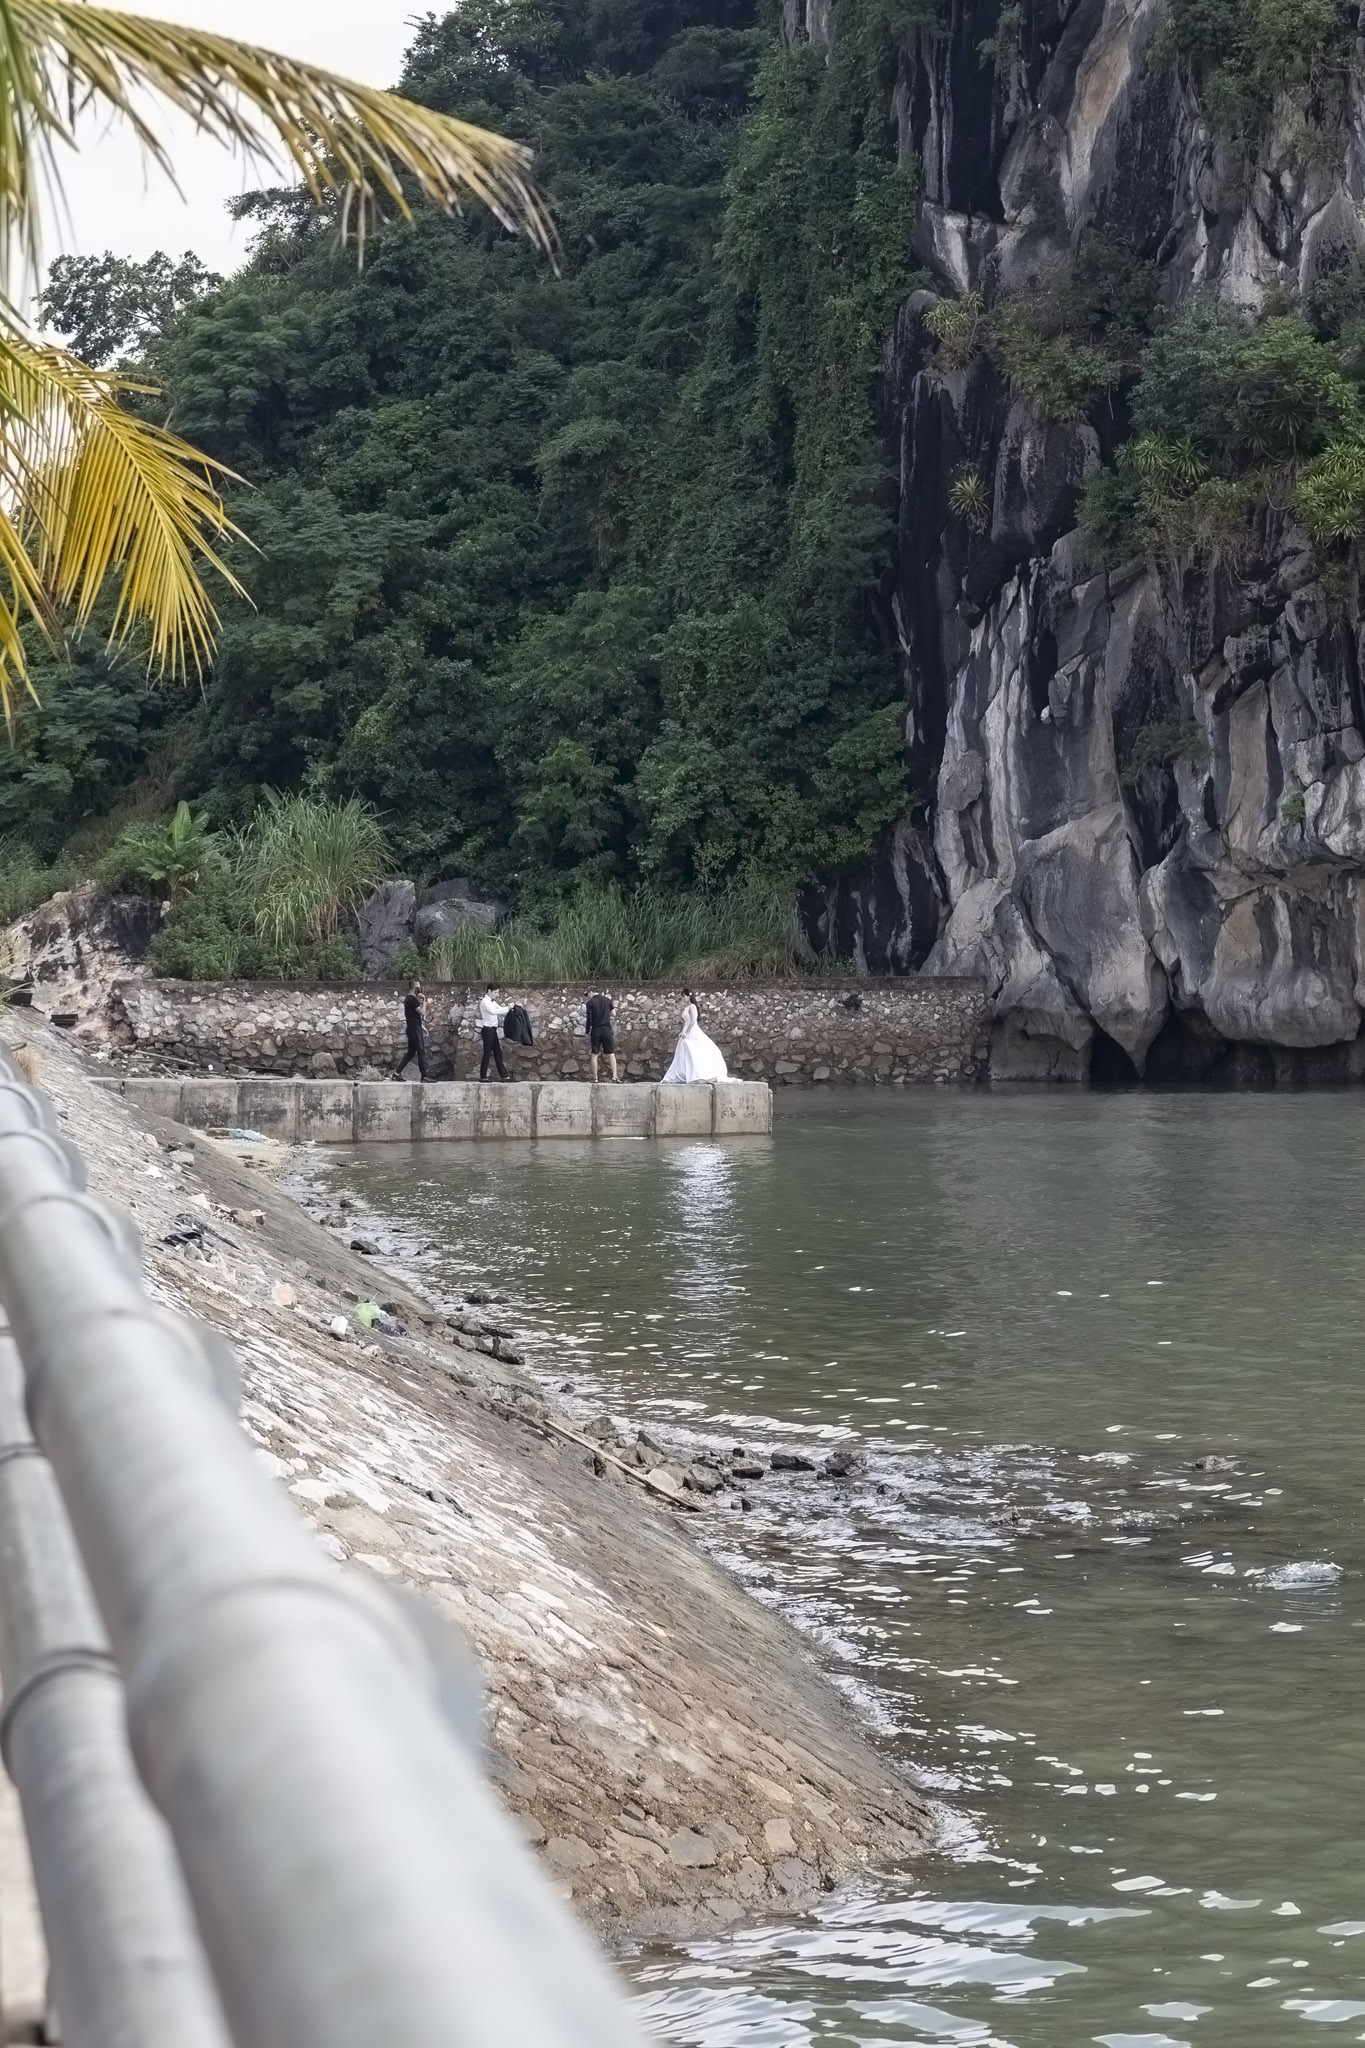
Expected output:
{"points": [[1146, 824], [75, 948], [448, 907], [384, 923]]}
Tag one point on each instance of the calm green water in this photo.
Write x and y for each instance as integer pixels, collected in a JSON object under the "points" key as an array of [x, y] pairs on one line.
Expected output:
{"points": [[1135, 1685]]}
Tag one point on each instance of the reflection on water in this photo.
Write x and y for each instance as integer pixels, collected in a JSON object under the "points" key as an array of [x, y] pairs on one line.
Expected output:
{"points": [[1101, 1583]]}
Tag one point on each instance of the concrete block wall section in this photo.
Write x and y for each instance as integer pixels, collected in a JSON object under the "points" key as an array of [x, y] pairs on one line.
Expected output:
{"points": [[398, 1112]]}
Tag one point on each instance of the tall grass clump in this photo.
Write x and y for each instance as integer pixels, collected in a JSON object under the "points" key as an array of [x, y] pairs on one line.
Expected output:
{"points": [[273, 904], [26, 881], [310, 863], [748, 930]]}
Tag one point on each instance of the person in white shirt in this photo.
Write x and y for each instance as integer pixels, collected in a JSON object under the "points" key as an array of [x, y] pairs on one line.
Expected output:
{"points": [[491, 1014]]}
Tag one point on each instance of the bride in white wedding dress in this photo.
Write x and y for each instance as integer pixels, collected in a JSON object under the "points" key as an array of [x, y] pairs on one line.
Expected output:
{"points": [[696, 1057]]}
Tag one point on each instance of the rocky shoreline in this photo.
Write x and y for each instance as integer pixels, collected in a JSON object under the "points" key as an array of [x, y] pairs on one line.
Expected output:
{"points": [[670, 1745]]}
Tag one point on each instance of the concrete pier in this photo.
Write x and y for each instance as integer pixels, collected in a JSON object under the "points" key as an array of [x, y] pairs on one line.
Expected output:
{"points": [[394, 1112]]}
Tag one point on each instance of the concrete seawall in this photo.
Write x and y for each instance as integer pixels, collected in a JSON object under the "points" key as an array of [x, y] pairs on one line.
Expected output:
{"points": [[371, 1112]]}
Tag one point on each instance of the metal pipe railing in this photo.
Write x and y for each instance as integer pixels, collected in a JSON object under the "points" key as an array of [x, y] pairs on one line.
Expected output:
{"points": [[353, 1878], [127, 1969]]}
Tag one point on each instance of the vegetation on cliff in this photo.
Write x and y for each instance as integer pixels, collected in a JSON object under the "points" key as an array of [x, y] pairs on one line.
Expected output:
{"points": [[1232, 414], [1244, 55]]}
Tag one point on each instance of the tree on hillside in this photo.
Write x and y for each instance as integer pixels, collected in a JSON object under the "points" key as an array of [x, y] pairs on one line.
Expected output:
{"points": [[579, 576], [109, 306], [101, 499]]}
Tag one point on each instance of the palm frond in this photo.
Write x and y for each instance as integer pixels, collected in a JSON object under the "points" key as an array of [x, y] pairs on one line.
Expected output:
{"points": [[355, 141], [92, 494]]}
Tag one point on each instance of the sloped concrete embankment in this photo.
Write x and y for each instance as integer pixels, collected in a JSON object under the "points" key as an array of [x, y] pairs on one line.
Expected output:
{"points": [[670, 1745]]}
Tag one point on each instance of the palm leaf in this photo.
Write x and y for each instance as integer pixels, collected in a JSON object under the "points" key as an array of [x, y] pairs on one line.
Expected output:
{"points": [[95, 493], [90, 492], [353, 141]]}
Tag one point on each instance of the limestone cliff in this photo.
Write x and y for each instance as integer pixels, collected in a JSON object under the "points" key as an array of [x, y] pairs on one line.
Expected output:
{"points": [[1185, 916]]}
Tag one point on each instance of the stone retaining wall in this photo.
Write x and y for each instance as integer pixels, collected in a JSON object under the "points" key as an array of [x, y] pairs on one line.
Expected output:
{"points": [[347, 1112], [911, 1028]]}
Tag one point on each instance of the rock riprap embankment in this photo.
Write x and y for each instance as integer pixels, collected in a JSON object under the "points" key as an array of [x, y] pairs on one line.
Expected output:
{"points": [[675, 1755]]}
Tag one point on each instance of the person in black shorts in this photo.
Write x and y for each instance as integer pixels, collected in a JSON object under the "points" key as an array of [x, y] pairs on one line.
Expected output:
{"points": [[417, 1037], [601, 1034]]}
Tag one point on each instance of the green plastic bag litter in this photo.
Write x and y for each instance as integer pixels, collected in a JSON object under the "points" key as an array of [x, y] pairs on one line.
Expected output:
{"points": [[367, 1312]]}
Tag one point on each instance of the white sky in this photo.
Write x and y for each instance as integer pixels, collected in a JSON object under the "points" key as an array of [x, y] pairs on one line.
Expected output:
{"points": [[115, 203]]}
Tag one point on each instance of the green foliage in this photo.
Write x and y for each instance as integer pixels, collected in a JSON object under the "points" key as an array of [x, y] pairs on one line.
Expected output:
{"points": [[1294, 809], [1109, 296], [572, 578], [108, 306], [1163, 496], [26, 881], [1062, 345], [1001, 47], [1161, 743], [1190, 374], [969, 498], [82, 754], [310, 862], [1336, 300], [1059, 377], [170, 857], [270, 902], [211, 933], [1224, 410], [749, 928], [1292, 398], [1244, 53], [959, 327], [1330, 497]]}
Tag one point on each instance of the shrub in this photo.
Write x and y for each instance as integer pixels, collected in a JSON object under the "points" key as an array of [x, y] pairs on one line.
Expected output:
{"points": [[1337, 299], [969, 498], [1111, 520], [1002, 46], [1294, 809], [1291, 395], [311, 862], [171, 857], [1190, 372], [1060, 378], [1161, 743], [210, 934], [1109, 295], [1163, 495], [25, 881], [1244, 53], [958, 326], [1330, 497], [268, 905]]}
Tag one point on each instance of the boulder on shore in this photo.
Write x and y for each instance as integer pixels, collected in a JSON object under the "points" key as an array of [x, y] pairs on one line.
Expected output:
{"points": [[383, 926]]}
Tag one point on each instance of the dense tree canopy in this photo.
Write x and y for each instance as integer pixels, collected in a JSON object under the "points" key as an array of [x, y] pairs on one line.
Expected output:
{"points": [[574, 576]]}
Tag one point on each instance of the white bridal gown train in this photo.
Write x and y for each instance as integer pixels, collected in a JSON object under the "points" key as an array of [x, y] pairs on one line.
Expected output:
{"points": [[696, 1057]]}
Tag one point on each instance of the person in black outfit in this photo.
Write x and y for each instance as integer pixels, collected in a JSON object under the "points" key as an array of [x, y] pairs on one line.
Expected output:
{"points": [[417, 1037], [601, 1033]]}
